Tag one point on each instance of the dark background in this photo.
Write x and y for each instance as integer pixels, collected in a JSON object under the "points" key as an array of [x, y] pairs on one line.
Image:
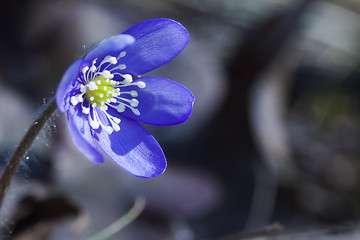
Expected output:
{"points": [[274, 136]]}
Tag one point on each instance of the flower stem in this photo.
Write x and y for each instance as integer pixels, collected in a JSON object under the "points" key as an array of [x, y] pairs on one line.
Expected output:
{"points": [[23, 147]]}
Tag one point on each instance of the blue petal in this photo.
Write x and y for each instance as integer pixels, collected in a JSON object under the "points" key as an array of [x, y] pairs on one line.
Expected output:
{"points": [[162, 102], [158, 41], [81, 135], [110, 46], [133, 148], [66, 85]]}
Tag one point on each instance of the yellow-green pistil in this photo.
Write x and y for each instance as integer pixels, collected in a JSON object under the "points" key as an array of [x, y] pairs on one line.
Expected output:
{"points": [[101, 90]]}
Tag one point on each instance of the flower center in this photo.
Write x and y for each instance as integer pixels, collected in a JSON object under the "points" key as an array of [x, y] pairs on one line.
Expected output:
{"points": [[101, 90], [103, 86]]}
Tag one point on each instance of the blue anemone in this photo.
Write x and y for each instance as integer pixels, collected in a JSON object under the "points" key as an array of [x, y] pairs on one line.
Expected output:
{"points": [[104, 96]]}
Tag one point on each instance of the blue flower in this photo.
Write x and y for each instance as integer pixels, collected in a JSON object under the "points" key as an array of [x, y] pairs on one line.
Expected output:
{"points": [[105, 97]]}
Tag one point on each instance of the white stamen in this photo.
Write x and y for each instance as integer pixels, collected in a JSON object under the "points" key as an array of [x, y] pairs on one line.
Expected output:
{"points": [[92, 86], [74, 100], [79, 97], [108, 129], [94, 124], [134, 93], [127, 78], [113, 60], [107, 74], [85, 110], [116, 128], [135, 111], [134, 102], [116, 120], [122, 54], [82, 89], [121, 66], [120, 107], [110, 59], [84, 70], [93, 68], [141, 84]]}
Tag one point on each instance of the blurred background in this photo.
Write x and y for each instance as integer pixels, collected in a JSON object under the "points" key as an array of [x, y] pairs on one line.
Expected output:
{"points": [[274, 136]]}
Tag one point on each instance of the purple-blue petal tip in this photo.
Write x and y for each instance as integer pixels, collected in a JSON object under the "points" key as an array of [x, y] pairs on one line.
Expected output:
{"points": [[157, 41]]}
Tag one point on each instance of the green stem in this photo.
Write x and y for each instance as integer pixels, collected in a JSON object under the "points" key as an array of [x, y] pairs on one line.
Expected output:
{"points": [[23, 147]]}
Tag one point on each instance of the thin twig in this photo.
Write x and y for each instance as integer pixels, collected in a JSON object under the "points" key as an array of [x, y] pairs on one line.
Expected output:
{"points": [[23, 147], [122, 222], [273, 228]]}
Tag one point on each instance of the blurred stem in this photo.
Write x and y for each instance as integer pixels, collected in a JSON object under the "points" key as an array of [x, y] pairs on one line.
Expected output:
{"points": [[273, 228], [23, 147], [122, 222]]}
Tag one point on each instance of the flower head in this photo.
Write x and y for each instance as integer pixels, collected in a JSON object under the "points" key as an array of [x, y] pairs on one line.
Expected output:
{"points": [[105, 97]]}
